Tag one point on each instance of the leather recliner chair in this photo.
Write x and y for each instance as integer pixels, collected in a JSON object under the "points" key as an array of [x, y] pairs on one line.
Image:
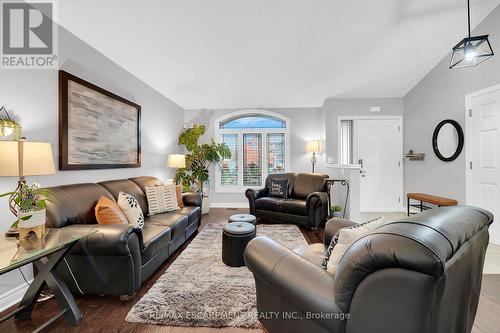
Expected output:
{"points": [[306, 205], [419, 274], [117, 258]]}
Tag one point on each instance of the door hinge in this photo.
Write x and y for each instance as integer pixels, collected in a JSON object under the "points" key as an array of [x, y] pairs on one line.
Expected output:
{"points": [[399, 199], [470, 165], [470, 112], [399, 163], [399, 128]]}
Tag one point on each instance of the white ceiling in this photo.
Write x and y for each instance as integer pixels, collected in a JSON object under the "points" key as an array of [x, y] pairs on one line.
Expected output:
{"points": [[273, 53]]}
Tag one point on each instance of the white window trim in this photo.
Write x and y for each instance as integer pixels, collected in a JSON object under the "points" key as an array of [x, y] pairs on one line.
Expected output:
{"points": [[264, 131]]}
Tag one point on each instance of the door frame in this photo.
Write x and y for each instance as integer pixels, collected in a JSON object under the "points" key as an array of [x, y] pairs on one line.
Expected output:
{"points": [[467, 113], [354, 145]]}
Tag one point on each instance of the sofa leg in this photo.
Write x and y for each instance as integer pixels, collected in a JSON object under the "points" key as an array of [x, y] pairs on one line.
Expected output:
{"points": [[126, 298], [314, 228]]}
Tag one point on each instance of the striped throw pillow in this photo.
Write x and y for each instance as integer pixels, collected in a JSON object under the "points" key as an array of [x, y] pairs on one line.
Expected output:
{"points": [[161, 199]]}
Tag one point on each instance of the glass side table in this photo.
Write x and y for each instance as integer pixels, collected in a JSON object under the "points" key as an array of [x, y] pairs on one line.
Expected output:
{"points": [[57, 244]]}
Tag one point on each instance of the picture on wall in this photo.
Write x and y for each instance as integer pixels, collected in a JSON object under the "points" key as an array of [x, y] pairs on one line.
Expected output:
{"points": [[97, 129]]}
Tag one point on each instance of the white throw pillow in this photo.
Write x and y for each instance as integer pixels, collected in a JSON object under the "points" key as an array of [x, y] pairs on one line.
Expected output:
{"points": [[345, 237], [131, 208], [161, 199]]}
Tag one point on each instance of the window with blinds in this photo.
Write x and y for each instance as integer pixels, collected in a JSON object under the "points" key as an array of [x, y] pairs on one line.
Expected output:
{"points": [[252, 159], [259, 146], [275, 152], [229, 172]]}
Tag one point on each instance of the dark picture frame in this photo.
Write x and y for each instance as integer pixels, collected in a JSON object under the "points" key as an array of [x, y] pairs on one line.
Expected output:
{"points": [[85, 153]]}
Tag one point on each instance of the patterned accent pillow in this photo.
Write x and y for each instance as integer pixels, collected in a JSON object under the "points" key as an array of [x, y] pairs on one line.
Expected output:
{"points": [[131, 208], [161, 199], [346, 237], [279, 188]]}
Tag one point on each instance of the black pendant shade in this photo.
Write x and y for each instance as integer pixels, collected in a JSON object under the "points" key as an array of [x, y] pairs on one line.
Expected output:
{"points": [[471, 51]]}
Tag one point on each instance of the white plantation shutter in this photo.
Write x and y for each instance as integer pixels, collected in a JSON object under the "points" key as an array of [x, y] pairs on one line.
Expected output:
{"points": [[252, 159], [275, 152], [229, 172]]}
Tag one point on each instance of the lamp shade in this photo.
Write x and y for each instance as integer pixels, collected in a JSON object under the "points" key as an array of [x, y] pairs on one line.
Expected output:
{"points": [[176, 161], [25, 158], [314, 146]]}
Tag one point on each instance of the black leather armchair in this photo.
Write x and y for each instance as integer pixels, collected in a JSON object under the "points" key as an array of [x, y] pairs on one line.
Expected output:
{"points": [[419, 274], [306, 205], [116, 259]]}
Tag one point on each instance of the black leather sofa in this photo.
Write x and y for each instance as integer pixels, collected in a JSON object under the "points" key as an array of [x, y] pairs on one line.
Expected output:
{"points": [[419, 274], [306, 205], [117, 258]]}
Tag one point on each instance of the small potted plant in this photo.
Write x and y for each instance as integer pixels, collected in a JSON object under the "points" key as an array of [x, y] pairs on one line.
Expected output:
{"points": [[31, 202], [336, 211]]}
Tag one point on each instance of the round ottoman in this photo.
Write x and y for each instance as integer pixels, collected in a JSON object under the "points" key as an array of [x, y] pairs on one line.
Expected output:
{"points": [[248, 218], [235, 237]]}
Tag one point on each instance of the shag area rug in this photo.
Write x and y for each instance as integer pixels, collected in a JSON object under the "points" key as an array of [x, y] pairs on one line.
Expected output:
{"points": [[198, 289]]}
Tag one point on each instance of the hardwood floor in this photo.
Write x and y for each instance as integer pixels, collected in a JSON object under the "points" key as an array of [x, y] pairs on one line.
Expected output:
{"points": [[107, 314]]}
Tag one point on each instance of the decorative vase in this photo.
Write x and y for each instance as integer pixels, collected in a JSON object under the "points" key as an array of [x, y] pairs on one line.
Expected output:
{"points": [[205, 207], [32, 230], [337, 214]]}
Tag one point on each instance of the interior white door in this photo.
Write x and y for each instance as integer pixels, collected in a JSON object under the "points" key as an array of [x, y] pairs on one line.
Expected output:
{"points": [[378, 148], [484, 146]]}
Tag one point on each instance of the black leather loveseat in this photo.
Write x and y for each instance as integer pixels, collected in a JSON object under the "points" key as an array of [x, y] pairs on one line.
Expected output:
{"points": [[419, 274], [306, 204], [118, 257]]}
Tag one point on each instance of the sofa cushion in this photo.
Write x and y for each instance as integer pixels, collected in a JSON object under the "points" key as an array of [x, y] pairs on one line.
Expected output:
{"points": [[178, 223], [74, 204], [155, 238], [126, 186], [192, 212], [288, 176], [293, 206], [268, 203], [307, 183]]}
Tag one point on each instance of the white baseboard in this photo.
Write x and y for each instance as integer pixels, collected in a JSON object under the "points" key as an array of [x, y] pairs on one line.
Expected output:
{"points": [[229, 205], [13, 296]]}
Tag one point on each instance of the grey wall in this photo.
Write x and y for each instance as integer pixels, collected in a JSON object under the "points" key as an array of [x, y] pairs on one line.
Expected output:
{"points": [[441, 95], [31, 96], [306, 124], [334, 108]]}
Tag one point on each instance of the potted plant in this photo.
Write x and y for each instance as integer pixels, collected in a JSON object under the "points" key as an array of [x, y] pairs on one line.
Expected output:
{"points": [[31, 202], [336, 211], [199, 158]]}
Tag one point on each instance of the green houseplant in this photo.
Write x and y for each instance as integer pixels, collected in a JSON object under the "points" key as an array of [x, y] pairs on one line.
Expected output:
{"points": [[336, 211], [31, 202], [199, 157]]}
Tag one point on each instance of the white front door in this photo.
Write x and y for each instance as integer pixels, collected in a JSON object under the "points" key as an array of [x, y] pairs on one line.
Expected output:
{"points": [[379, 150], [484, 154]]}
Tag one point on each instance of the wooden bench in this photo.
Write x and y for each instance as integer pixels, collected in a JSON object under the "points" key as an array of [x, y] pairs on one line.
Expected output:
{"points": [[427, 198]]}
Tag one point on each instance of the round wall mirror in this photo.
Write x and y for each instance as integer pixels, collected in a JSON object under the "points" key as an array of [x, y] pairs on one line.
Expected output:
{"points": [[448, 140]]}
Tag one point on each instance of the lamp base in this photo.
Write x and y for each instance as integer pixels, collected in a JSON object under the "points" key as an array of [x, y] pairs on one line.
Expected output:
{"points": [[314, 160]]}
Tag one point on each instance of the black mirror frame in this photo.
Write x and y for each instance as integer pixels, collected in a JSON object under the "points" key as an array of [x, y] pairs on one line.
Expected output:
{"points": [[460, 146]]}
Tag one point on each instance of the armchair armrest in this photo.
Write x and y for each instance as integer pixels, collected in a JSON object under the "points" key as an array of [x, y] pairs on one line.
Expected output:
{"points": [[303, 284], [333, 226], [192, 198], [108, 240]]}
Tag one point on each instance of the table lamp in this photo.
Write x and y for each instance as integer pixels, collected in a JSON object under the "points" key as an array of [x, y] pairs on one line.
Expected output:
{"points": [[314, 146], [176, 161], [24, 158]]}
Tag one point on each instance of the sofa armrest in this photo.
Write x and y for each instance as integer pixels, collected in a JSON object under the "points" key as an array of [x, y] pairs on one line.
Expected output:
{"points": [[192, 199], [317, 199], [108, 239], [333, 226], [253, 195], [303, 284]]}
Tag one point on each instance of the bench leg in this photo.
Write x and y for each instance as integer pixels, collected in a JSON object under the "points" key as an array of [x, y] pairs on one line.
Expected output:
{"points": [[421, 206], [408, 205]]}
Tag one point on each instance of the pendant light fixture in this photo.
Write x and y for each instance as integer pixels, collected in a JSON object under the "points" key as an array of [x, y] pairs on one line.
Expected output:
{"points": [[471, 51]]}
